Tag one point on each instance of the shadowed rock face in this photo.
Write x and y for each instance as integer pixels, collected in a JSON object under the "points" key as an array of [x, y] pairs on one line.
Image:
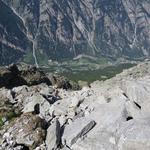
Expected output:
{"points": [[59, 29], [13, 77]]}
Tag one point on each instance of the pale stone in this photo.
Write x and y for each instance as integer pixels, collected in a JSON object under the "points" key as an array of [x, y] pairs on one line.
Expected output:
{"points": [[100, 140], [134, 135], [139, 92], [60, 107], [53, 135], [76, 130], [46, 90], [62, 120], [37, 99]]}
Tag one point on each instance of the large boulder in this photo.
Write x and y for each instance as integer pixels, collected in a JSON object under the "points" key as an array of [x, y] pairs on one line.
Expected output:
{"points": [[27, 130], [38, 105], [76, 130], [101, 140]]}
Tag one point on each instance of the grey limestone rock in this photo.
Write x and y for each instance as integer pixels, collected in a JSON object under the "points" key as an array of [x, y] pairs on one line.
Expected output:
{"points": [[53, 135], [76, 130]]}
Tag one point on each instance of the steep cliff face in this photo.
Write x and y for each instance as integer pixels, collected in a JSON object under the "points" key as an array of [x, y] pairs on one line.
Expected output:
{"points": [[60, 29]]}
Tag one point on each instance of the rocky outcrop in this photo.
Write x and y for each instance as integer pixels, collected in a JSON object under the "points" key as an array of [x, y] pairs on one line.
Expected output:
{"points": [[62, 82], [111, 115], [58, 29], [12, 76], [6, 76], [34, 76]]}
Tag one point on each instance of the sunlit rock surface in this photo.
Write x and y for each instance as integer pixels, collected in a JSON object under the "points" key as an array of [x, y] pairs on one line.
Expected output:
{"points": [[111, 115]]}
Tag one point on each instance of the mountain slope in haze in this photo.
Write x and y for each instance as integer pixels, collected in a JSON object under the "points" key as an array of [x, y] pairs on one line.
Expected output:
{"points": [[63, 29], [13, 36]]}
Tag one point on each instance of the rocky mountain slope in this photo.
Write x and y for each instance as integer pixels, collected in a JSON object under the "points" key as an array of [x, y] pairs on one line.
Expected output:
{"points": [[111, 115], [63, 29]]}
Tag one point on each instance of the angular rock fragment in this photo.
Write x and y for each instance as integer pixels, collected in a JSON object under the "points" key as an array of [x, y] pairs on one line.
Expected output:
{"points": [[53, 136], [99, 140], [28, 130], [38, 104], [76, 130], [60, 108]]}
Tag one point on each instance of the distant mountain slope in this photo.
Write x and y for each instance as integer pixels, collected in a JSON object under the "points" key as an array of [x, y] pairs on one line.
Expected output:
{"points": [[62, 29], [13, 36]]}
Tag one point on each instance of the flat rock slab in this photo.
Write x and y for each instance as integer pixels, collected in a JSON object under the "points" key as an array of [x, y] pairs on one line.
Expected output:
{"points": [[139, 92], [100, 140], [76, 130], [134, 135]]}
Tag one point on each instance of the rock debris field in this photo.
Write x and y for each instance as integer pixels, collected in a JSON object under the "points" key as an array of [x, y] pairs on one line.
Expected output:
{"points": [[38, 114]]}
